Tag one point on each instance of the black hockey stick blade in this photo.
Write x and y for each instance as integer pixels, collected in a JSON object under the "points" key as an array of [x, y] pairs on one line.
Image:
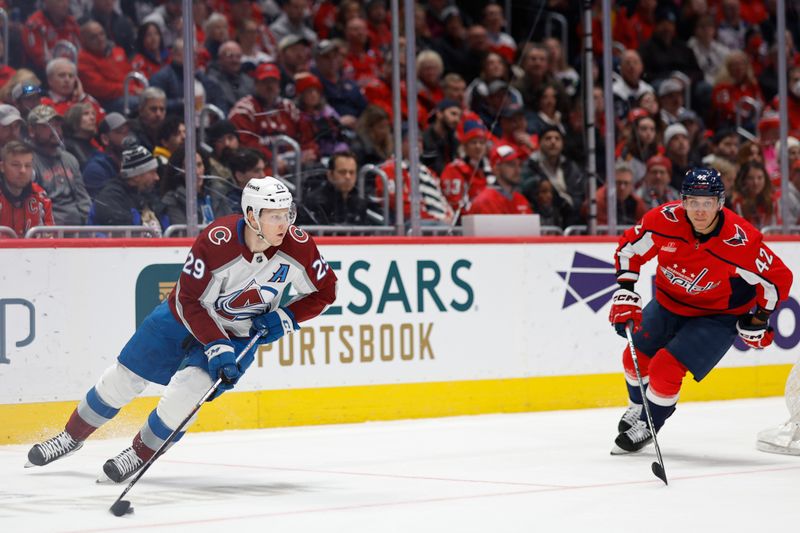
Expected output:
{"points": [[121, 508], [658, 470]]}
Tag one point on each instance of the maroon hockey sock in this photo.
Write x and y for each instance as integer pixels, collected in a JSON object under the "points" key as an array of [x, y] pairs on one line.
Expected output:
{"points": [[142, 450], [78, 428]]}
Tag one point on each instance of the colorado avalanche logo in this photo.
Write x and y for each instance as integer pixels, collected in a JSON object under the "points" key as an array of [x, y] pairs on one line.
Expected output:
{"points": [[740, 239], [219, 235], [246, 303], [669, 212], [298, 234]]}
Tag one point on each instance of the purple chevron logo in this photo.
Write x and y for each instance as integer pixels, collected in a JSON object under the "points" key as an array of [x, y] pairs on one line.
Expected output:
{"points": [[589, 280]]}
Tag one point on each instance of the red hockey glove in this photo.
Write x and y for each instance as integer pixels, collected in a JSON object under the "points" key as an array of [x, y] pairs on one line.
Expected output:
{"points": [[756, 336], [625, 305]]}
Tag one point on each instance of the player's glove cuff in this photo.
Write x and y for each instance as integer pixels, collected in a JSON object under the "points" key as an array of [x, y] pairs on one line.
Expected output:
{"points": [[756, 336]]}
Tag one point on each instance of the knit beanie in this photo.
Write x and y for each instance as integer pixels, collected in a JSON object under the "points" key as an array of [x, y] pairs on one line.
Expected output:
{"points": [[137, 160]]}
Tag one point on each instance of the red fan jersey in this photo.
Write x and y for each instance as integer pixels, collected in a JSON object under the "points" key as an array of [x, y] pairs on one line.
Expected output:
{"points": [[32, 208], [494, 201], [224, 285], [726, 272]]}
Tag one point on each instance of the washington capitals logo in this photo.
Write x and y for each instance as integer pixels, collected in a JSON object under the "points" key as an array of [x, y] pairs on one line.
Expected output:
{"points": [[246, 303], [740, 239], [669, 212], [589, 280]]}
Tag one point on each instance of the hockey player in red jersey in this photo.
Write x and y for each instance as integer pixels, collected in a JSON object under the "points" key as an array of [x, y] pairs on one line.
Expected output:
{"points": [[715, 279], [232, 285]]}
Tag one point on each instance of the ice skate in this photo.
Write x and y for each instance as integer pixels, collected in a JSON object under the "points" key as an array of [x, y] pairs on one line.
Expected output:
{"points": [[634, 439], [784, 439], [53, 448], [122, 466], [630, 417]]}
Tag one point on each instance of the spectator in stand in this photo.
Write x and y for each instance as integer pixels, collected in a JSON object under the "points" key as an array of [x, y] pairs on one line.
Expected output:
{"points": [[222, 138], [23, 204], [630, 208], [454, 88], [318, 117], [245, 164], [792, 145], [536, 74], [226, 73], [750, 151], [6, 71], [793, 193], [216, 31], [66, 89], [633, 29], [503, 197], [439, 143], [493, 69], [342, 94], [670, 99], [429, 74], [547, 110], [379, 90], [335, 201], [465, 178], [45, 28], [373, 144], [433, 205], [768, 77], [513, 131], [549, 163], [106, 164], [265, 113], [490, 106], [676, 145], [27, 95], [348, 9], [150, 53], [171, 136], [362, 62], [292, 21], [102, 68], [656, 189], [557, 64], [210, 204], [378, 25], [709, 52], [436, 16], [724, 145], [10, 124], [736, 81], [294, 57], [56, 170], [649, 102], [152, 110], [753, 196], [629, 86], [546, 203], [732, 29], [727, 172], [421, 30], [129, 199], [452, 44], [115, 24], [495, 22], [253, 53], [170, 80], [80, 128], [168, 18], [698, 141], [663, 54]]}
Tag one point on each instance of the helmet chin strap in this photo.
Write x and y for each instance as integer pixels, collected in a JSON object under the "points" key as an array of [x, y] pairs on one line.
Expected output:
{"points": [[257, 228]]}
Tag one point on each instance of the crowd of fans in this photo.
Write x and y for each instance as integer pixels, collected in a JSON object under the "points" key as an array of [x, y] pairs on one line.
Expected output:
{"points": [[500, 109]]}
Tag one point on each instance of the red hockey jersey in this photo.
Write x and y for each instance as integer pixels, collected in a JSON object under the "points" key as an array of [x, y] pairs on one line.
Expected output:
{"points": [[224, 285], [32, 208], [725, 274], [494, 201]]}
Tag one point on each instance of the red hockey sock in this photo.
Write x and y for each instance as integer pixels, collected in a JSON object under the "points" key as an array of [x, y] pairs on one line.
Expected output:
{"points": [[630, 369], [142, 450], [666, 378], [78, 428]]}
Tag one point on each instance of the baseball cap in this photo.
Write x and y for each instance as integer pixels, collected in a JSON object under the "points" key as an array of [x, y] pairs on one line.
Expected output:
{"points": [[304, 81], [267, 71], [471, 129], [326, 46], [636, 113], [503, 153], [291, 40], [669, 86], [9, 114], [511, 110], [659, 160], [112, 122], [42, 114], [673, 130], [21, 90], [497, 85], [687, 114], [449, 11], [137, 160]]}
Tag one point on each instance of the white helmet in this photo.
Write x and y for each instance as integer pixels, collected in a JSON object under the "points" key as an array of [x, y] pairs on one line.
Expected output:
{"points": [[267, 193]]}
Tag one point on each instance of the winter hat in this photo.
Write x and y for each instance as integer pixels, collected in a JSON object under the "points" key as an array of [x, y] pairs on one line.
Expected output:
{"points": [[137, 160], [304, 81], [673, 130], [471, 129]]}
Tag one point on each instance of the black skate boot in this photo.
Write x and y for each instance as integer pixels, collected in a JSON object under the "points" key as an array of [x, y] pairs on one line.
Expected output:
{"points": [[123, 466], [54, 448], [630, 417], [634, 439]]}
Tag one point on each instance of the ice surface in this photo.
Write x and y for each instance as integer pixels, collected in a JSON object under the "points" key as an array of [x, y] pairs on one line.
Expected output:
{"points": [[531, 472]]}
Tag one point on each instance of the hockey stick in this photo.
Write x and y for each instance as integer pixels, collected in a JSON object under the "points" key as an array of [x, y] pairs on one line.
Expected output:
{"points": [[658, 467], [122, 507]]}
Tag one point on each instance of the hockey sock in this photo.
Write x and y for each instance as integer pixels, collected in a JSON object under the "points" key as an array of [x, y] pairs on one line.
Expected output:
{"points": [[152, 435], [91, 413], [666, 378], [634, 393]]}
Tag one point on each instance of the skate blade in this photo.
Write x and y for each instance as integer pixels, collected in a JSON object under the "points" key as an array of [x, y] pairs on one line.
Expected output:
{"points": [[616, 450], [29, 464], [771, 448], [103, 479]]}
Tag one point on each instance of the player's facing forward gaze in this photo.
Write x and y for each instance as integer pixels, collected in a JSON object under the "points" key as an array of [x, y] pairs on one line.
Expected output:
{"points": [[715, 279], [232, 284]]}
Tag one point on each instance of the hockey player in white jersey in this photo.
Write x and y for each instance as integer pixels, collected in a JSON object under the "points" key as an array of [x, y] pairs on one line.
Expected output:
{"points": [[232, 283]]}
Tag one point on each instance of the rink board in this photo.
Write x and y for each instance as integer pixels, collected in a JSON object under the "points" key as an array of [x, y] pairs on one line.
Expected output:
{"points": [[421, 328]]}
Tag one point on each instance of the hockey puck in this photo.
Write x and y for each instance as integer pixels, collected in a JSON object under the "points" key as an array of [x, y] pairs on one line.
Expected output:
{"points": [[121, 508]]}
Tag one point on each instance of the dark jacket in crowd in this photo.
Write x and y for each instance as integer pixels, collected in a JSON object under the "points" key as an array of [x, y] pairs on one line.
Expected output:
{"points": [[325, 206], [210, 206], [118, 204], [99, 170]]}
